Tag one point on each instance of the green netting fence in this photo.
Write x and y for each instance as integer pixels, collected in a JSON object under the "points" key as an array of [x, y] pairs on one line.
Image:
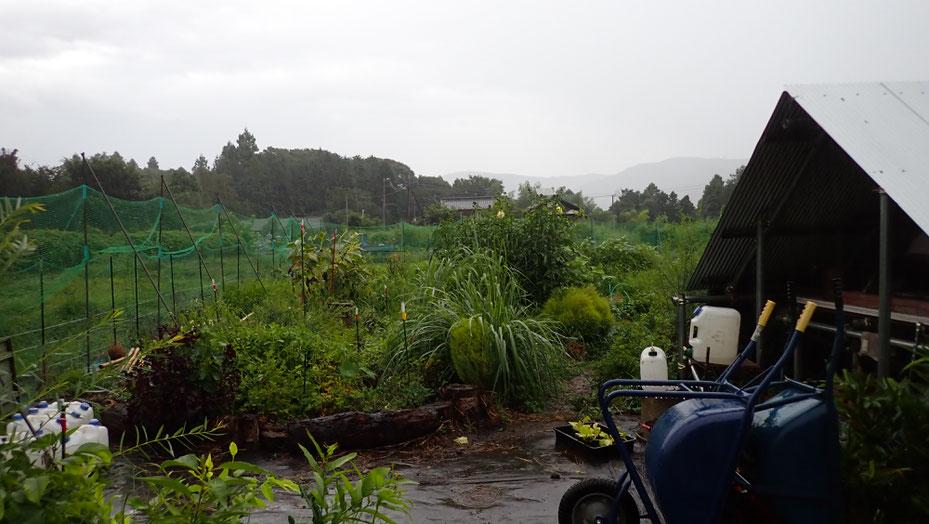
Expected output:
{"points": [[83, 267]]}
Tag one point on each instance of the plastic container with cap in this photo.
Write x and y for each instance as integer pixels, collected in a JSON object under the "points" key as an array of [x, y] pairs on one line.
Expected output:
{"points": [[715, 330], [84, 409], [49, 410], [94, 431], [16, 428], [35, 418], [653, 365]]}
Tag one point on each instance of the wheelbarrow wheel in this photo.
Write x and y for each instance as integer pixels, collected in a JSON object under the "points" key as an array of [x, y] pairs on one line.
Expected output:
{"points": [[584, 501]]}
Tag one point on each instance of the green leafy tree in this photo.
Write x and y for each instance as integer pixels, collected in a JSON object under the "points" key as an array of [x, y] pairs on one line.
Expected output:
{"points": [[476, 185], [120, 179], [713, 199], [686, 209], [435, 213]]}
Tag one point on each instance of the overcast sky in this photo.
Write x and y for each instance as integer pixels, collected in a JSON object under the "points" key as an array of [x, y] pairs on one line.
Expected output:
{"points": [[535, 88]]}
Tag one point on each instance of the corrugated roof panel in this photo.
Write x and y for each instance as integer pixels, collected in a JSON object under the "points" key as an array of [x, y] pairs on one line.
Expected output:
{"points": [[884, 128]]}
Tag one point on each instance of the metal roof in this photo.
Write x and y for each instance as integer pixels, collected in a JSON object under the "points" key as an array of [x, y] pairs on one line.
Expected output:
{"points": [[468, 203], [811, 180], [884, 128]]}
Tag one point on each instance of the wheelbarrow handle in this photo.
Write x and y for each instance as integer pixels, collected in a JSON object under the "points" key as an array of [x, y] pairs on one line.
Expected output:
{"points": [[805, 316]]}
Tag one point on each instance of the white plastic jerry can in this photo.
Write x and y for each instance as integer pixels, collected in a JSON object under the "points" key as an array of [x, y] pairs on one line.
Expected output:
{"points": [[93, 431], [17, 429], [715, 330], [653, 365]]}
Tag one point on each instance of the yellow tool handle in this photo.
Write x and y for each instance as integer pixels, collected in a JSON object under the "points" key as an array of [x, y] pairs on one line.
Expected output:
{"points": [[804, 319], [766, 313]]}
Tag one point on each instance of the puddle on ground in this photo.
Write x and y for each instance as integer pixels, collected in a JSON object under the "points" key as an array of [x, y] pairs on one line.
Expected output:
{"points": [[518, 477]]}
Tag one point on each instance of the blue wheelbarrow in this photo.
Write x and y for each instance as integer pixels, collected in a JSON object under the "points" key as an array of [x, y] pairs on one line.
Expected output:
{"points": [[762, 453]]}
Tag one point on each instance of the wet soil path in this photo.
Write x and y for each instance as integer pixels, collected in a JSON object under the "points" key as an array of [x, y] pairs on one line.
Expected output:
{"points": [[508, 474]]}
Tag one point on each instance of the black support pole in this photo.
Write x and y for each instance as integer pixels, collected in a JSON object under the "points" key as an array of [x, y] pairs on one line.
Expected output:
{"points": [[161, 213], [86, 284], [200, 269], [44, 372], [112, 298], [238, 257], [135, 285], [883, 319], [219, 225], [173, 293], [272, 240]]}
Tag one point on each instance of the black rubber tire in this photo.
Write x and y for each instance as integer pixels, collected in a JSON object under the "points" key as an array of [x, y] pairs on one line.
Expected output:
{"points": [[588, 498]]}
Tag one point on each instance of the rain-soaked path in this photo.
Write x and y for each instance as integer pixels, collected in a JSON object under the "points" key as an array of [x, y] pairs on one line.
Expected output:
{"points": [[514, 474]]}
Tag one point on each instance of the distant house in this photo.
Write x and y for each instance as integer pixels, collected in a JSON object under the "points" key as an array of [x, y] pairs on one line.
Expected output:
{"points": [[465, 205], [570, 209]]}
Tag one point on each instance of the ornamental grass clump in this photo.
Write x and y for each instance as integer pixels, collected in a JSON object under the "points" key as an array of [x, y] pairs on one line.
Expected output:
{"points": [[471, 321]]}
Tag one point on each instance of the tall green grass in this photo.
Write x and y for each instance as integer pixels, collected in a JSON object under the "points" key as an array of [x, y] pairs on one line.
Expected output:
{"points": [[527, 352]]}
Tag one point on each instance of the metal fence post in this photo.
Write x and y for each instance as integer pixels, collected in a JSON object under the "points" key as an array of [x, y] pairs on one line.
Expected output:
{"points": [[219, 225], [161, 211], [135, 285], [86, 282], [43, 377], [112, 298], [173, 294]]}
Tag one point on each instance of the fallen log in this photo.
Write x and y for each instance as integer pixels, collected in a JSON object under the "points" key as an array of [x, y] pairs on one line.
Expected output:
{"points": [[356, 430]]}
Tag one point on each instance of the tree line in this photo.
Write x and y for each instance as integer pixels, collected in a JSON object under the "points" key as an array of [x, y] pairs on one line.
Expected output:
{"points": [[653, 204], [315, 182]]}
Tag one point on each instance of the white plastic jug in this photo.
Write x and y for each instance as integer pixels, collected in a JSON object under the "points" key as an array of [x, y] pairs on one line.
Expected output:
{"points": [[35, 418], [85, 410], [653, 365], [49, 410], [75, 419], [93, 431], [17, 429], [715, 330], [74, 441], [52, 426]]}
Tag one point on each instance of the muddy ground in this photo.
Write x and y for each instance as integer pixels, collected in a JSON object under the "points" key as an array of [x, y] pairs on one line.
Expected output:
{"points": [[512, 473]]}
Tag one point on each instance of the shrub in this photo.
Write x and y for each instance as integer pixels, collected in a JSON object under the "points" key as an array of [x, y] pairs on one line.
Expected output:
{"points": [[314, 262], [471, 345], [620, 256], [187, 378], [884, 427], [539, 245], [584, 314]]}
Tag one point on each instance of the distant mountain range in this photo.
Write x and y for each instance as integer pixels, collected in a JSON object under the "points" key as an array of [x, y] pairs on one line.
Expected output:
{"points": [[683, 175]]}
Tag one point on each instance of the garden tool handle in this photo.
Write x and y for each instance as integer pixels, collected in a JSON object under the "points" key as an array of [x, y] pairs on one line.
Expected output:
{"points": [[766, 313], [805, 316]]}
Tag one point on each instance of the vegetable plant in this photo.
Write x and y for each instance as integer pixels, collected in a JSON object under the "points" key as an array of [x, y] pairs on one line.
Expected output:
{"points": [[368, 499], [193, 489]]}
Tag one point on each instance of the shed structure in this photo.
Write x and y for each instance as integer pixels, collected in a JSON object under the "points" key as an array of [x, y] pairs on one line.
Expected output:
{"points": [[466, 204], [837, 186]]}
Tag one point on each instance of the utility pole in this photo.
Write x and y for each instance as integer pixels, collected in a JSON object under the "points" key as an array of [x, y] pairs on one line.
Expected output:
{"points": [[409, 203]]}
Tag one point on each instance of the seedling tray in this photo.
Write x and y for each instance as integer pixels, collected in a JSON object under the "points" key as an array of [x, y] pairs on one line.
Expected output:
{"points": [[565, 438]]}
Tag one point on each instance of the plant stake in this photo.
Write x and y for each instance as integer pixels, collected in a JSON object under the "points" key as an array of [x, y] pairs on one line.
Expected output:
{"points": [[406, 341], [357, 331], [335, 236]]}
